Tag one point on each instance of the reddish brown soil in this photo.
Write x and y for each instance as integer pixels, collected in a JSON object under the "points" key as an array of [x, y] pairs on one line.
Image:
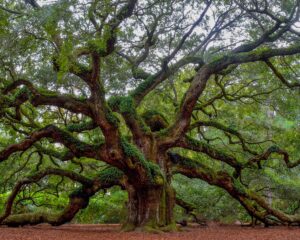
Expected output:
{"points": [[111, 232]]}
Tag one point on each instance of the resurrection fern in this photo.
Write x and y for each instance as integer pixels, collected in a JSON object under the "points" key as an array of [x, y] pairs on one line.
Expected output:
{"points": [[110, 174]]}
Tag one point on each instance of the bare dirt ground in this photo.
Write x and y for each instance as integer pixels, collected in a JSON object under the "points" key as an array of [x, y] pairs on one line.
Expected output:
{"points": [[112, 232]]}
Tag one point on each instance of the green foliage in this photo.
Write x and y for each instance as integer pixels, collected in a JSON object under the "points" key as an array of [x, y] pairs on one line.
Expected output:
{"points": [[106, 207], [63, 59], [97, 45]]}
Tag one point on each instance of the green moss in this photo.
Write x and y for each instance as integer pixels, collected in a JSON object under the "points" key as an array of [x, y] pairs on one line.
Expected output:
{"points": [[78, 127], [191, 163], [197, 143], [4, 100], [158, 180], [261, 49], [187, 162], [110, 174], [30, 218], [156, 173], [193, 59], [24, 91], [47, 93], [66, 136], [217, 58], [132, 151], [112, 118], [53, 153], [145, 127], [151, 228], [126, 105], [163, 207], [239, 186], [193, 141], [152, 169], [123, 104], [170, 228], [143, 86], [128, 227], [21, 91]]}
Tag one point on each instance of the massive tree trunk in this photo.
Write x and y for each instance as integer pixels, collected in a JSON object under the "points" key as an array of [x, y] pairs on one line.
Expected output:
{"points": [[151, 198], [150, 208]]}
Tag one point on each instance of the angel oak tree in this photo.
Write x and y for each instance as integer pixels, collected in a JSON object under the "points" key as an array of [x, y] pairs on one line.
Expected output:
{"points": [[71, 67]]}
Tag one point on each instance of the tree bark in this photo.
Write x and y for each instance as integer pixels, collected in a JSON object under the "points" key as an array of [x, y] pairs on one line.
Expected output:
{"points": [[150, 208]]}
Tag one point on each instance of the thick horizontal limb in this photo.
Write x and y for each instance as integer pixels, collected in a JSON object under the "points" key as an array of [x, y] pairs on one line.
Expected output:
{"points": [[250, 200], [198, 146], [39, 98], [77, 147], [35, 178], [79, 199], [200, 80]]}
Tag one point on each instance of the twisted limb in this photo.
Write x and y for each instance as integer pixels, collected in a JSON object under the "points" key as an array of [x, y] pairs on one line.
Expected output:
{"points": [[78, 199]]}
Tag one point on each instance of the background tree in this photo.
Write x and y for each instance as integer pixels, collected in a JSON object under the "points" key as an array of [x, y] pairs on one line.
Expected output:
{"points": [[130, 93]]}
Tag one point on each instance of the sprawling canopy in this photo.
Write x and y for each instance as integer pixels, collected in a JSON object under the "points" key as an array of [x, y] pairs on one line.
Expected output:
{"points": [[125, 92]]}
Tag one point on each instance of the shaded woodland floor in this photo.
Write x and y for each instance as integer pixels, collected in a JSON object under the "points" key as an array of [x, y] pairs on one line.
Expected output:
{"points": [[111, 232]]}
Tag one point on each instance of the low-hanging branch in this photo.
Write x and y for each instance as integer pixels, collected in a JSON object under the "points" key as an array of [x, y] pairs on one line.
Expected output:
{"points": [[198, 146], [35, 178], [77, 147], [250, 200], [78, 199]]}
